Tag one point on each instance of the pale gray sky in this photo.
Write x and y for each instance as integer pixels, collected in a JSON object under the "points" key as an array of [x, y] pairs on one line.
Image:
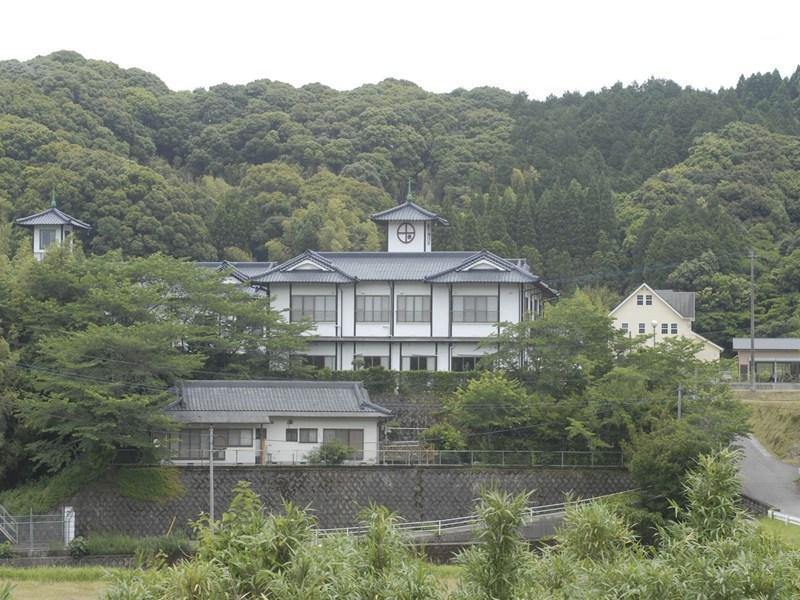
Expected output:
{"points": [[532, 46]]}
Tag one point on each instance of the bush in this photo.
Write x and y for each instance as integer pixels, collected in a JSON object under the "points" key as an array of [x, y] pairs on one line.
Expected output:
{"points": [[5, 550], [443, 436], [5, 591], [172, 547], [78, 547], [329, 453]]}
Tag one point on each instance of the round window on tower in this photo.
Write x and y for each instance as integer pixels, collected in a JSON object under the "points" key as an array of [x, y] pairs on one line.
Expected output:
{"points": [[406, 233]]}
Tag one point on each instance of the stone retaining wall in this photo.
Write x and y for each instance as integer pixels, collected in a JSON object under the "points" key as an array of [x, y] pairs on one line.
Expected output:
{"points": [[335, 495]]}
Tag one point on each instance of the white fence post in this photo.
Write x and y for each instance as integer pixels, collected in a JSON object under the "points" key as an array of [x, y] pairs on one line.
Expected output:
{"points": [[69, 525]]}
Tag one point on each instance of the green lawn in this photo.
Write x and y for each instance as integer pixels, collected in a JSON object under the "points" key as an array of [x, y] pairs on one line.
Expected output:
{"points": [[788, 533], [56, 583]]}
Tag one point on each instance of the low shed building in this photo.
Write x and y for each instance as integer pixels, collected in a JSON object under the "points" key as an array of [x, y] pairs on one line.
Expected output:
{"points": [[272, 422], [777, 360]]}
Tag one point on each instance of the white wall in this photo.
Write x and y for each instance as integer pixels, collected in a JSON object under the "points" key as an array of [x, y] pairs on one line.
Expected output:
{"points": [[420, 243], [282, 452]]}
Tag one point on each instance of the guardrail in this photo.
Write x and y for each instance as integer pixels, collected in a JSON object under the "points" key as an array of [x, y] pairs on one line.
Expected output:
{"points": [[783, 517], [8, 525], [458, 524]]}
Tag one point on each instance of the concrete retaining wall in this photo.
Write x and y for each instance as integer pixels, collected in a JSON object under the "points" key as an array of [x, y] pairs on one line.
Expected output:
{"points": [[335, 495]]}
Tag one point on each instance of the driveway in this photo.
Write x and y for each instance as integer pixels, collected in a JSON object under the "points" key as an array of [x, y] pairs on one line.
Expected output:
{"points": [[767, 479]]}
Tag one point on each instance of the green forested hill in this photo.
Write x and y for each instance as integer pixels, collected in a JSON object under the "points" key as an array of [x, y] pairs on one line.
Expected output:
{"points": [[653, 180]]}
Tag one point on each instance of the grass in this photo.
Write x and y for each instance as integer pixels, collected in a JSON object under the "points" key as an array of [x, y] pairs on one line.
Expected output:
{"points": [[47, 493], [173, 546], [56, 583], [789, 534], [448, 575], [776, 424], [150, 484]]}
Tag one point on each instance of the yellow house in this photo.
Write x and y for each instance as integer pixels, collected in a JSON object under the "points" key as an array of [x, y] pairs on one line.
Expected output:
{"points": [[662, 314]]}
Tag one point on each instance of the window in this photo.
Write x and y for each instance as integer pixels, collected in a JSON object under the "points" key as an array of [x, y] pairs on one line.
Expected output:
{"points": [[372, 309], [648, 300], [625, 327], [464, 363], [47, 237], [352, 438], [406, 233], [413, 309], [641, 328], [190, 444], [418, 363], [319, 361], [291, 435], [234, 438], [321, 309], [475, 309], [375, 361], [640, 300], [665, 328], [304, 436], [674, 328]]}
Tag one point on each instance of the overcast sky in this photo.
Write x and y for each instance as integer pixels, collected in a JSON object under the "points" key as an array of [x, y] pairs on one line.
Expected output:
{"points": [[541, 48]]}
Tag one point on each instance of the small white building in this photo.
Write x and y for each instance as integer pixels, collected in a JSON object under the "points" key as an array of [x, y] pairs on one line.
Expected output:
{"points": [[776, 360], [272, 421], [51, 227], [662, 314]]}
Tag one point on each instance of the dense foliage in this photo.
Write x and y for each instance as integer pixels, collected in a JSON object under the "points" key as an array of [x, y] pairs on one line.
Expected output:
{"points": [[711, 550], [90, 345], [649, 180]]}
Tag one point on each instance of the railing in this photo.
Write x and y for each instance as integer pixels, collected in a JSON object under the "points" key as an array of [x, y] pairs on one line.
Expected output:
{"points": [[783, 517], [467, 523], [503, 458], [8, 525]]}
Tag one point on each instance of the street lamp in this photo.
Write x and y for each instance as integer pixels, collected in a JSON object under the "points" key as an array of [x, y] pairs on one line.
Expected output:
{"points": [[654, 323]]}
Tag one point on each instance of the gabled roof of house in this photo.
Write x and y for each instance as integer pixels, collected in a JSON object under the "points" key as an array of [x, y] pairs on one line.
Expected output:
{"points": [[241, 270], [743, 344], [682, 303], [256, 401], [51, 216], [429, 267], [407, 211]]}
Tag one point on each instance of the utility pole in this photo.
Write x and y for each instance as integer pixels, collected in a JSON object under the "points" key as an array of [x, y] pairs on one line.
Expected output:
{"points": [[211, 474], [752, 320], [680, 400]]}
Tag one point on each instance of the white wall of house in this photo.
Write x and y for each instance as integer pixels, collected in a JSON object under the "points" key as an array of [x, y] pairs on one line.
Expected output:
{"points": [[56, 234], [421, 241], [280, 451]]}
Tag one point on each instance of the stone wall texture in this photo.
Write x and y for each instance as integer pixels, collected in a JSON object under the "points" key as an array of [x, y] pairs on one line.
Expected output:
{"points": [[335, 495]]}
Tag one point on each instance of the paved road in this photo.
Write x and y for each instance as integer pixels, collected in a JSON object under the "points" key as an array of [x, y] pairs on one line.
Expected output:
{"points": [[768, 479]]}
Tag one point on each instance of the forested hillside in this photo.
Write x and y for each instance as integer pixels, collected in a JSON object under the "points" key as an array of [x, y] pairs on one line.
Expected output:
{"points": [[657, 181]]}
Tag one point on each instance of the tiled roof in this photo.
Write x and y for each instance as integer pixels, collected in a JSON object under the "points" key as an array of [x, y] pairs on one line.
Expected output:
{"points": [[257, 401], [767, 344], [408, 211], [242, 270], [433, 267], [683, 302], [51, 216]]}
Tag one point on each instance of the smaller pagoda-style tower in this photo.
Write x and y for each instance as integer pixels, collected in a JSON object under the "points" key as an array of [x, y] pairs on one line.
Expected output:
{"points": [[410, 225], [51, 226]]}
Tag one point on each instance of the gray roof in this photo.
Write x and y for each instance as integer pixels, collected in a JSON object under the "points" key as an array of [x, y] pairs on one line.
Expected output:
{"points": [[407, 211], [432, 267], [51, 216], [767, 344], [242, 270], [205, 401], [682, 302]]}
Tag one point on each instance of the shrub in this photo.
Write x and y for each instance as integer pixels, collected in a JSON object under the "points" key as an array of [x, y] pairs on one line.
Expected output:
{"points": [[5, 591], [171, 547], [443, 436], [5, 550], [78, 547], [330, 453]]}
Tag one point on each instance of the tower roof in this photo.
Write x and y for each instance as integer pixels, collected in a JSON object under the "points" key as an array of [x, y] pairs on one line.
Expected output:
{"points": [[407, 211], [51, 216]]}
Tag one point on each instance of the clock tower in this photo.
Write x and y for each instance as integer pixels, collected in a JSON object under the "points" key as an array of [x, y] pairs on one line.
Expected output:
{"points": [[410, 226]]}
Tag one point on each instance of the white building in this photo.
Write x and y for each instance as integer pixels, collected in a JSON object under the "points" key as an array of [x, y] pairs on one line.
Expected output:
{"points": [[408, 308], [272, 422], [662, 314], [51, 227]]}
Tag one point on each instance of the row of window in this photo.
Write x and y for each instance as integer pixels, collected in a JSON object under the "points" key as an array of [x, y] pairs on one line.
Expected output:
{"points": [[352, 438], [644, 300], [410, 363], [194, 443], [410, 309], [666, 328]]}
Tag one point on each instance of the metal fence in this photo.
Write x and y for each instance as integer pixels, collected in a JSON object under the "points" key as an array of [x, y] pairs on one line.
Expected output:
{"points": [[33, 533], [783, 517], [502, 458]]}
